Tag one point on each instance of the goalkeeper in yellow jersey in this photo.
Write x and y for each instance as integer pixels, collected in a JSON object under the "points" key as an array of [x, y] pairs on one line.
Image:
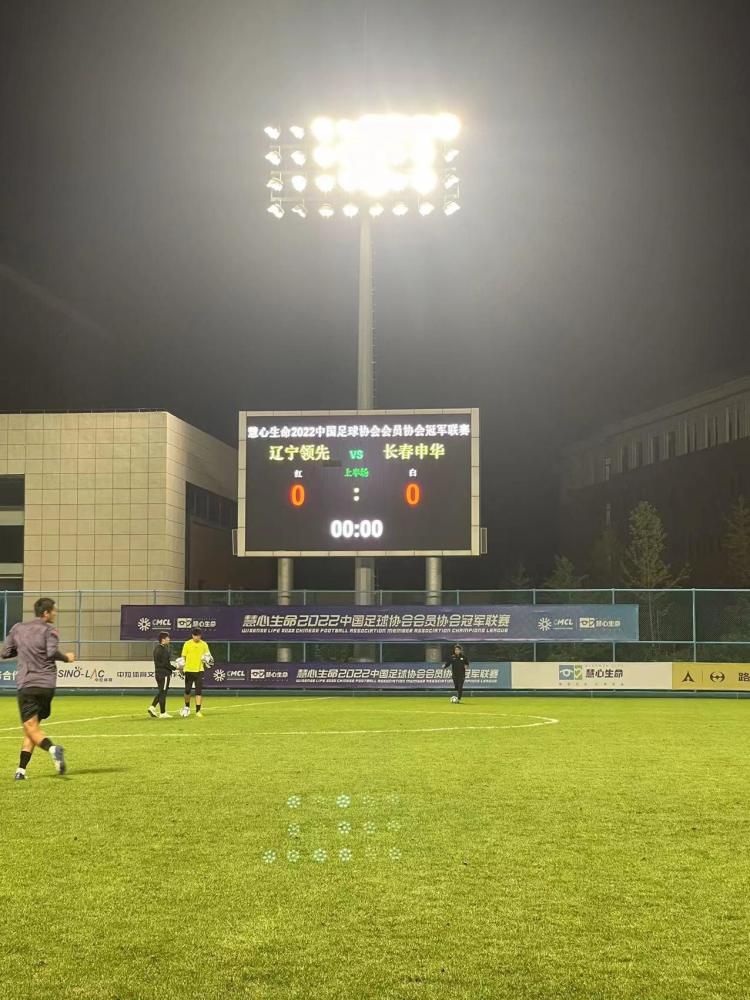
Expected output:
{"points": [[196, 657]]}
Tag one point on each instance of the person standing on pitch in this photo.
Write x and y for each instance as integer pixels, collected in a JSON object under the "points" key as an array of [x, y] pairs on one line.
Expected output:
{"points": [[163, 674], [35, 643], [197, 657], [458, 665]]}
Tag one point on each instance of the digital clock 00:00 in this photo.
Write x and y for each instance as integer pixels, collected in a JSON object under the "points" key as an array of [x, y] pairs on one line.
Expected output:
{"points": [[357, 529]]}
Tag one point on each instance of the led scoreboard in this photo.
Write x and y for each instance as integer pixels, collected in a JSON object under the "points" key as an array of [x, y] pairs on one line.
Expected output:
{"points": [[367, 482]]}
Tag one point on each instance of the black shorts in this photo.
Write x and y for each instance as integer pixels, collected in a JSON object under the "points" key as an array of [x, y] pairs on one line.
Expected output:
{"points": [[194, 677], [35, 702]]}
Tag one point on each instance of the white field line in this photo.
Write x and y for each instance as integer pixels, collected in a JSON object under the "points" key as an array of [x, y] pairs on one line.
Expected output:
{"points": [[48, 723], [311, 732]]}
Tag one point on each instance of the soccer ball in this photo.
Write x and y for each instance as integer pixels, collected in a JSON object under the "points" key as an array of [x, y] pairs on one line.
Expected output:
{"points": [[454, 699], [207, 660], [185, 712], [180, 662]]}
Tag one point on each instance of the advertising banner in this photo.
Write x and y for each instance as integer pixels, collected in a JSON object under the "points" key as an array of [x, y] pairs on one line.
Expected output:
{"points": [[711, 677], [116, 675], [490, 623], [591, 676]]}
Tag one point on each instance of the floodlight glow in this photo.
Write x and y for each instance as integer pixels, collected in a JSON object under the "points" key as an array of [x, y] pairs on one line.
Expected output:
{"points": [[376, 210], [276, 210], [299, 182], [275, 184], [424, 180], [272, 132], [325, 183], [451, 155], [323, 129], [274, 157], [450, 181], [447, 127], [325, 156], [347, 181], [326, 211], [300, 210], [400, 208], [297, 131], [299, 158], [426, 208], [451, 208], [350, 210]]}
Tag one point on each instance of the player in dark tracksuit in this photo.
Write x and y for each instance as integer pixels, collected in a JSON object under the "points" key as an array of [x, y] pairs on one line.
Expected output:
{"points": [[457, 664], [35, 644], [163, 674]]}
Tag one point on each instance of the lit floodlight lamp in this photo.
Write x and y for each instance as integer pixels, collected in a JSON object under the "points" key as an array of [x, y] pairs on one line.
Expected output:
{"points": [[272, 132], [299, 182], [300, 210], [400, 208], [326, 211], [276, 210], [451, 207], [376, 210], [426, 208], [323, 129], [447, 127], [297, 131], [350, 210], [274, 158], [325, 156], [424, 180], [451, 180], [450, 155], [325, 183], [275, 184], [299, 158]]}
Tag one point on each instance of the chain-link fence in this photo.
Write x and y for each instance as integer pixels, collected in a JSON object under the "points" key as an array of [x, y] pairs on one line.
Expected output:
{"points": [[674, 625]]}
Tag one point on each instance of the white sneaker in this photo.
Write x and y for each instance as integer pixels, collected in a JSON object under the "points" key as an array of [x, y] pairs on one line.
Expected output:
{"points": [[185, 712], [165, 715], [152, 712]]}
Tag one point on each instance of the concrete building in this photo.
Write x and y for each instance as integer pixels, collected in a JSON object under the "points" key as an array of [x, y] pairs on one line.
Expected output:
{"points": [[691, 458], [107, 502]]}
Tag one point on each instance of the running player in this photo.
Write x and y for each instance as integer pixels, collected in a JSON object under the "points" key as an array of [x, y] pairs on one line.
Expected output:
{"points": [[197, 657], [35, 643]]}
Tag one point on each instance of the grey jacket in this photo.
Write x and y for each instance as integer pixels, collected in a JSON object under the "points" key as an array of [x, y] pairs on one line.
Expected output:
{"points": [[35, 643]]}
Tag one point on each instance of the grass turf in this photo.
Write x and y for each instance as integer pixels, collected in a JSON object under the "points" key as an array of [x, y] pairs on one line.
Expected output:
{"points": [[605, 856]]}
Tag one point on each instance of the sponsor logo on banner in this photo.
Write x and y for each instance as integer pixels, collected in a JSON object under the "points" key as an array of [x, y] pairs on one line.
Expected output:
{"points": [[591, 676], [711, 677]]}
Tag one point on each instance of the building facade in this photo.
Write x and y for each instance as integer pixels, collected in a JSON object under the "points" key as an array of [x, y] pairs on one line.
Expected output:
{"points": [[103, 503], [690, 458]]}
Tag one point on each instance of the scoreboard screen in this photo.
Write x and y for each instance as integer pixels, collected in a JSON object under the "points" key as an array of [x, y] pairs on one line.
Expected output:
{"points": [[367, 482]]}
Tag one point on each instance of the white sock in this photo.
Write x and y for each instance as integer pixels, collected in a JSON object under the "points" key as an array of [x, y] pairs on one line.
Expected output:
{"points": [[20, 770], [51, 750]]}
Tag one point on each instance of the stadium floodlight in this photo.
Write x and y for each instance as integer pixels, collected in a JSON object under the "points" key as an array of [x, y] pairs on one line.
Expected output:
{"points": [[450, 155], [299, 158], [451, 180], [276, 209], [350, 210], [275, 183], [426, 208], [451, 207], [327, 211], [274, 157], [376, 210], [272, 132], [299, 182], [400, 208], [297, 131], [325, 183], [300, 210]]}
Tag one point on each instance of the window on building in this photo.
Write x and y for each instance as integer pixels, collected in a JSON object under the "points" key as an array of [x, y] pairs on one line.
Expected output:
{"points": [[712, 431], [671, 442], [608, 515], [624, 463], [692, 437], [607, 469], [655, 448], [637, 455], [11, 543], [733, 423], [11, 492]]}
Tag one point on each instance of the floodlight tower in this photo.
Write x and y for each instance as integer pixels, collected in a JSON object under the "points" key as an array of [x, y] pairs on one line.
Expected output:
{"points": [[364, 169]]}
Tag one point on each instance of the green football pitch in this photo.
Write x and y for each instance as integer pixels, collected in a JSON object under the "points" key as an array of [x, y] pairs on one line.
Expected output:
{"points": [[394, 847]]}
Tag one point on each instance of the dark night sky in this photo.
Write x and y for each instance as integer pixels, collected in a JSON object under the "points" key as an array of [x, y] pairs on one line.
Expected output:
{"points": [[599, 265]]}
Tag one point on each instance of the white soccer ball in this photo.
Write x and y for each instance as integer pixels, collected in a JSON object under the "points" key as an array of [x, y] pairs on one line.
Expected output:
{"points": [[180, 662], [454, 699], [207, 660]]}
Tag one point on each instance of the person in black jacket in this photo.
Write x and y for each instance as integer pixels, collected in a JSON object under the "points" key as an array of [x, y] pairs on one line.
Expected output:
{"points": [[457, 664], [163, 673]]}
